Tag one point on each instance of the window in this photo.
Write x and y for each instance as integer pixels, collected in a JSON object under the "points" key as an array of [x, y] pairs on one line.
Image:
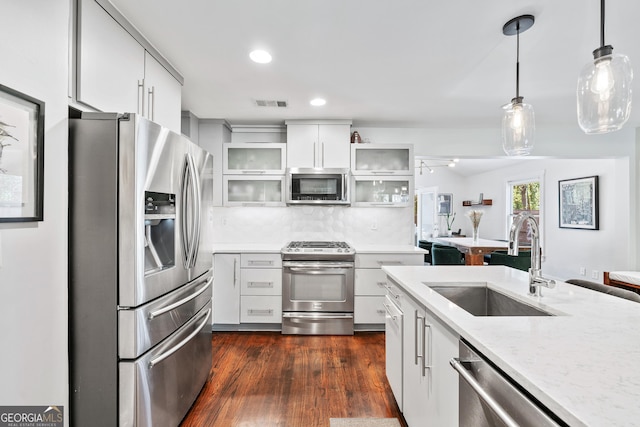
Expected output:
{"points": [[525, 195]]}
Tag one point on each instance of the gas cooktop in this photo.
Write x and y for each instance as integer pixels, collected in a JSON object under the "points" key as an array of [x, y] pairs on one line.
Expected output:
{"points": [[318, 250]]}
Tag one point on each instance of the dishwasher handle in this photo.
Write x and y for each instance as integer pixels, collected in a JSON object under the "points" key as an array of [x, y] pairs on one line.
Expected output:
{"points": [[482, 393]]}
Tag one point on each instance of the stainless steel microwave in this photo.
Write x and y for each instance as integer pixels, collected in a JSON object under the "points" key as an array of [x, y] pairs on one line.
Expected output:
{"points": [[308, 186]]}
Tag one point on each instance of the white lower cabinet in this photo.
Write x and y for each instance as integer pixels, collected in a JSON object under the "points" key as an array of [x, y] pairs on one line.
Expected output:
{"points": [[430, 385], [368, 309], [261, 288], [371, 283], [226, 289]]}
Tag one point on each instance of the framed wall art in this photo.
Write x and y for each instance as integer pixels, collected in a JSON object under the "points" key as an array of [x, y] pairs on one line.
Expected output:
{"points": [[21, 156], [579, 203]]}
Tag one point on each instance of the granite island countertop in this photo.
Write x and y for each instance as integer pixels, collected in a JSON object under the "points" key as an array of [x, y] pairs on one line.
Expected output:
{"points": [[582, 363]]}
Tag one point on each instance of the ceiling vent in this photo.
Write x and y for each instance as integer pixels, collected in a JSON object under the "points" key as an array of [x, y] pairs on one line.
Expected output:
{"points": [[269, 103]]}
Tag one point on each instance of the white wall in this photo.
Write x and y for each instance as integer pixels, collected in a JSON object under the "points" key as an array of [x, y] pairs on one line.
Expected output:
{"points": [[33, 256], [566, 250]]}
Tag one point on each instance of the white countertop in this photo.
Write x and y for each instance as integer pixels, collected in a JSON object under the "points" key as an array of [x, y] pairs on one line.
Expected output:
{"points": [[583, 363], [275, 248]]}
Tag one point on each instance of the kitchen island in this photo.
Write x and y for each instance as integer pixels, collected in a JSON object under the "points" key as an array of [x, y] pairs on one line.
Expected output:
{"points": [[581, 363]]}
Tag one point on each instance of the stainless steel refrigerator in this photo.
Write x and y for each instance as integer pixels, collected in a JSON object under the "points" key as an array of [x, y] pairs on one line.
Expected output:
{"points": [[140, 268]]}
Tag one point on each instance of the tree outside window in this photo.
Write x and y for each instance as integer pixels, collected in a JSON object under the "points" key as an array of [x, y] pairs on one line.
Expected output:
{"points": [[525, 197]]}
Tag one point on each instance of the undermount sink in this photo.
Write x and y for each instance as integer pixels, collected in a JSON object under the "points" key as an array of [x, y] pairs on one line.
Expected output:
{"points": [[480, 300]]}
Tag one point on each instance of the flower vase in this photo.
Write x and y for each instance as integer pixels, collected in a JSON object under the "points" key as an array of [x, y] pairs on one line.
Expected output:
{"points": [[449, 233], [475, 234]]}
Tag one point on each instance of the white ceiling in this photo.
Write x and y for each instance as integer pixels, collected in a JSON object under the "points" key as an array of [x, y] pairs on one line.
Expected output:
{"points": [[391, 62]]}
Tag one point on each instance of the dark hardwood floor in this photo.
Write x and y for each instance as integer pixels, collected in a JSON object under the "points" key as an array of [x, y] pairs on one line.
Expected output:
{"points": [[268, 379]]}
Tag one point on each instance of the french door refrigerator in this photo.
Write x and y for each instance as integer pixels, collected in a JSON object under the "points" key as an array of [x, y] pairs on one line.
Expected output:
{"points": [[140, 271]]}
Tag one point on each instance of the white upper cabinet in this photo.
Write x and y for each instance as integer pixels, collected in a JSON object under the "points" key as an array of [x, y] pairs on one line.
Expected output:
{"points": [[115, 71], [318, 144], [254, 158], [242, 190], [163, 95], [110, 62], [378, 159]]}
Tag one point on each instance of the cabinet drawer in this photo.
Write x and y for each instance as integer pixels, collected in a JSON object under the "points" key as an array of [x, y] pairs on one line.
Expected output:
{"points": [[378, 260], [261, 309], [261, 260], [368, 309], [370, 281], [261, 281]]}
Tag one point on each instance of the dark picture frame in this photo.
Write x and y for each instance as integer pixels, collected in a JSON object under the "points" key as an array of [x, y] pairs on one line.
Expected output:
{"points": [[578, 203], [21, 157]]}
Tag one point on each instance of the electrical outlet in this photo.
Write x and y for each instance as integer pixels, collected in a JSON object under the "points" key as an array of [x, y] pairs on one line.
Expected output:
{"points": [[594, 274], [374, 225], [583, 271]]}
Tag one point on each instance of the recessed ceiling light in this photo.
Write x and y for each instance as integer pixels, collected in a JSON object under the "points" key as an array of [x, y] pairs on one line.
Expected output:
{"points": [[317, 102], [260, 56]]}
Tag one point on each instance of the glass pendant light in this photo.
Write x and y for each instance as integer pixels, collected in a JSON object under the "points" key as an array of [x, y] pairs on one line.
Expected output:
{"points": [[518, 119], [604, 89]]}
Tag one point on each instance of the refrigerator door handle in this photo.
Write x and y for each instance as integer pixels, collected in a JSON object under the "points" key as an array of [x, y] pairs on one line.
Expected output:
{"points": [[181, 344], [186, 249], [197, 201], [176, 304], [190, 212]]}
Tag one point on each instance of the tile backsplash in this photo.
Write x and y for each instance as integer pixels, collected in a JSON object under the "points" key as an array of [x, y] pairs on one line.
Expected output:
{"points": [[274, 225]]}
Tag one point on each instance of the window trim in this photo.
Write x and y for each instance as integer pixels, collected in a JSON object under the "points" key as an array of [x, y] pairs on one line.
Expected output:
{"points": [[523, 179]]}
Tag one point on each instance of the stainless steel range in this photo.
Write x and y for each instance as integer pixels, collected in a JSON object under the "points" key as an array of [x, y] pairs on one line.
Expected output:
{"points": [[317, 288]]}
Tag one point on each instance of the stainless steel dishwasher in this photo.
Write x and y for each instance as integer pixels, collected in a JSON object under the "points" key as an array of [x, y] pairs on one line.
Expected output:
{"points": [[489, 399]]}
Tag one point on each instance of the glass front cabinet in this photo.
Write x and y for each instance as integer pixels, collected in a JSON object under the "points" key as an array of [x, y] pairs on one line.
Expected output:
{"points": [[379, 159], [382, 191], [254, 158], [242, 190]]}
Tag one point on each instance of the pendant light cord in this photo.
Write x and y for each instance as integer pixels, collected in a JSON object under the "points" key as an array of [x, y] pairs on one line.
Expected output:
{"points": [[518, 60], [601, 23]]}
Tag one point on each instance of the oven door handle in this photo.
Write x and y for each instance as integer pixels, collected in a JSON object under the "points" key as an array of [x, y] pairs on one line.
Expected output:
{"points": [[318, 316], [305, 266]]}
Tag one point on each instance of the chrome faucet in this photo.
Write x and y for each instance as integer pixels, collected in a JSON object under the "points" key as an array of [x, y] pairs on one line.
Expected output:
{"points": [[535, 272]]}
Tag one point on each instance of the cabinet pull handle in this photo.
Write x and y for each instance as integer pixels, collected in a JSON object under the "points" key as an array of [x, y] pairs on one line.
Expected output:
{"points": [[263, 312], [383, 312], [393, 262], [382, 284], [427, 349], [141, 97], [415, 339], [260, 284], [151, 99], [256, 172], [381, 172], [261, 262], [235, 262], [390, 290]]}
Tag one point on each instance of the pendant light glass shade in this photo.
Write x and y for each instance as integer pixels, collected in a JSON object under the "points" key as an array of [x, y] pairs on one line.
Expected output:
{"points": [[518, 118], [604, 93], [518, 128]]}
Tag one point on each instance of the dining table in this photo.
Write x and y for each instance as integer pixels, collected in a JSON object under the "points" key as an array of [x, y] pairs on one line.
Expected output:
{"points": [[473, 251]]}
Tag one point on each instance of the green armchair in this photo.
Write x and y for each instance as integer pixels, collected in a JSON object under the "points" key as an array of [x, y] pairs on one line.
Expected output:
{"points": [[446, 255], [522, 261]]}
